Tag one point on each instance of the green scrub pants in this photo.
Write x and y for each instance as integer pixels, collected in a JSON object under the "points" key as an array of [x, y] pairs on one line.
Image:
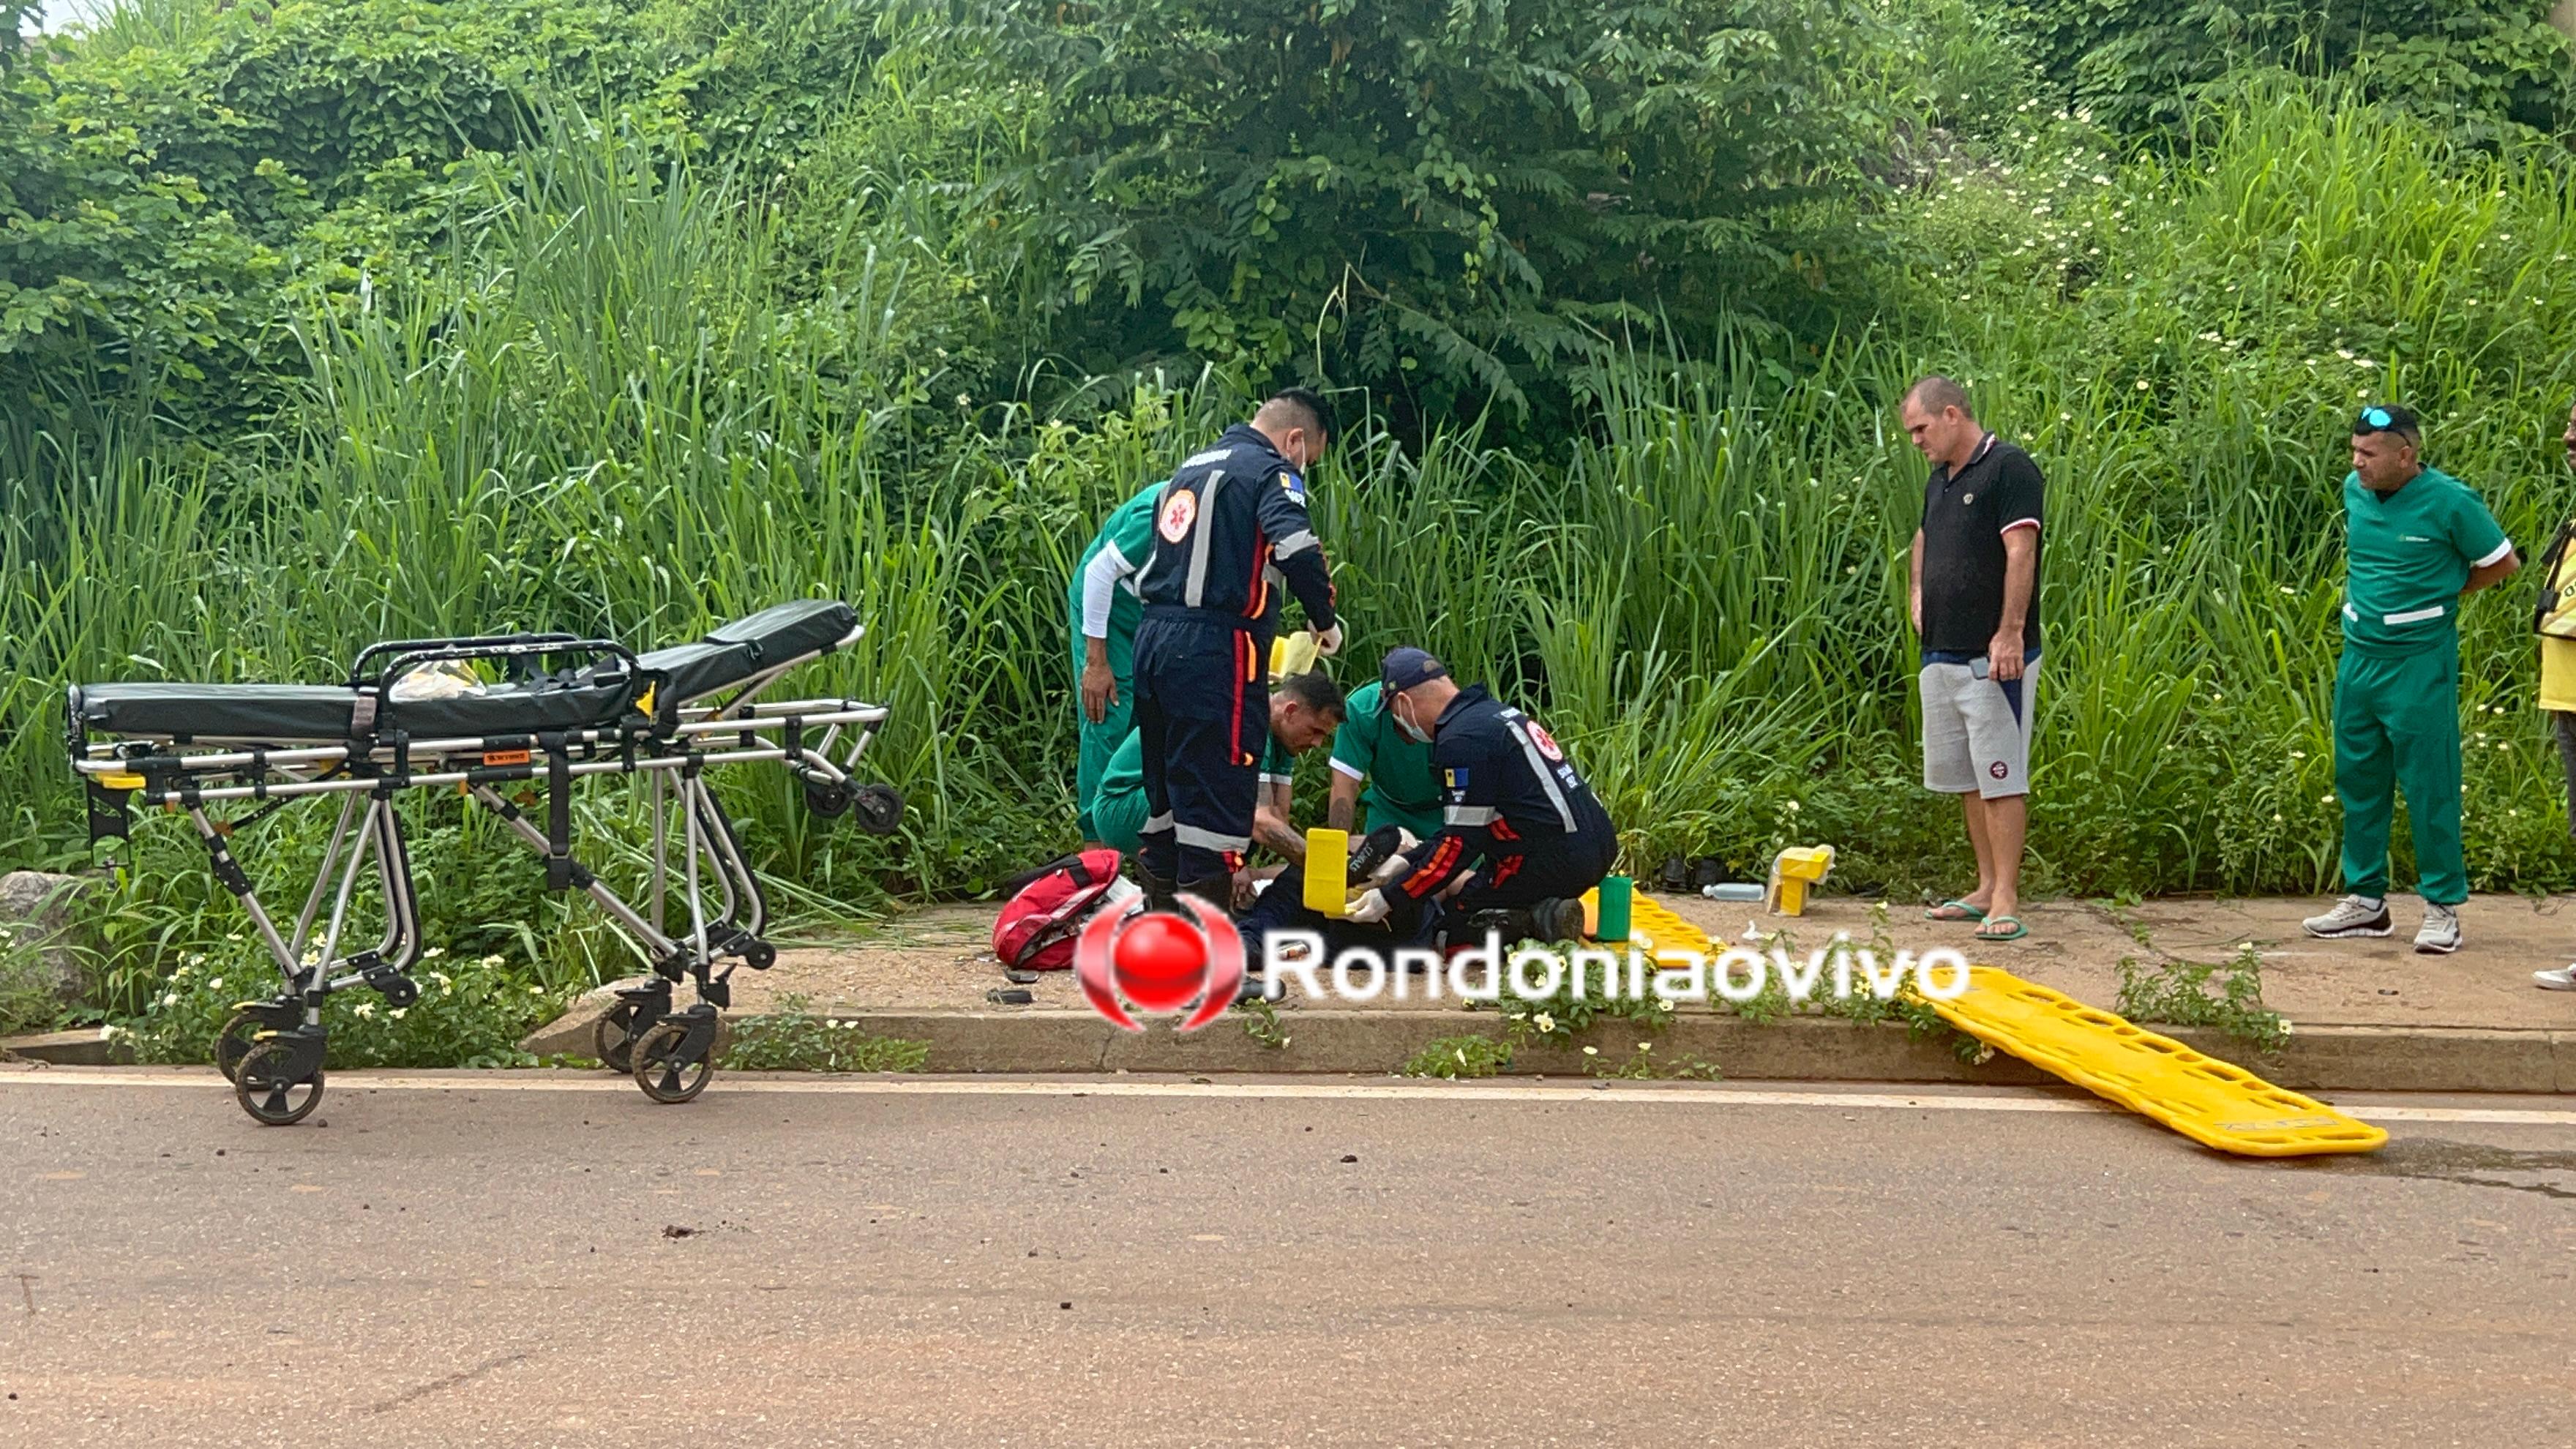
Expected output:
{"points": [[1097, 742], [1116, 818], [2397, 723]]}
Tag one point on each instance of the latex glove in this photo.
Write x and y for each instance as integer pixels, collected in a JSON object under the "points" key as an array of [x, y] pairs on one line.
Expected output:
{"points": [[1371, 908], [1328, 642], [1396, 867]]}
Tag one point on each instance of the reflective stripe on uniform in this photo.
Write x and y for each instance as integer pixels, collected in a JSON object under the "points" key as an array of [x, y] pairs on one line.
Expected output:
{"points": [[1518, 724], [1468, 815], [1158, 825], [1294, 544], [1209, 840], [2416, 616], [1197, 590]]}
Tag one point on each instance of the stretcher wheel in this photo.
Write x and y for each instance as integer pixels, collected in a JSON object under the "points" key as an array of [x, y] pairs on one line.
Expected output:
{"points": [[235, 1041], [759, 955], [614, 1037], [880, 809], [663, 1077], [829, 799], [265, 1085]]}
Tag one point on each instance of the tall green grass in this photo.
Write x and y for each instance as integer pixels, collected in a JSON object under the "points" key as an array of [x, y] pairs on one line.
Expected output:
{"points": [[632, 402]]}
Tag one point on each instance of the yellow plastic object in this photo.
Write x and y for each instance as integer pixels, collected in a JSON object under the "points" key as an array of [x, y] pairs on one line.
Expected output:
{"points": [[1652, 927], [1293, 653], [2203, 1098], [1327, 876], [1792, 873], [121, 782]]}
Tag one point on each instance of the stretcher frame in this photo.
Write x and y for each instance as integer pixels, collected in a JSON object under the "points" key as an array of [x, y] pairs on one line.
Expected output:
{"points": [[273, 1049]]}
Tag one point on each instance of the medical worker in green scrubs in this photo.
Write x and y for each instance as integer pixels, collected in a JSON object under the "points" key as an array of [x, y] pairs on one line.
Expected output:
{"points": [[1102, 604], [2418, 542]]}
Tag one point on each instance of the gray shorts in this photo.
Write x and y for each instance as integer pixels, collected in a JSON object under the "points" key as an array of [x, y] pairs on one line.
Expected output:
{"points": [[1976, 732]]}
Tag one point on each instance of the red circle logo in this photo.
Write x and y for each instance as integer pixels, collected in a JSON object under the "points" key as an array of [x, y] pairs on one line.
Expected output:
{"points": [[1160, 963], [1179, 512], [1998, 770]]}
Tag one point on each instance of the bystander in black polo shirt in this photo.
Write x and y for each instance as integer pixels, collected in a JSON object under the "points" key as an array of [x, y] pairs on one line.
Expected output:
{"points": [[1965, 518]]}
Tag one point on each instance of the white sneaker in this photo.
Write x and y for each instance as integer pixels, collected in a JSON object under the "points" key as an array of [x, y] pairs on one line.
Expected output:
{"points": [[2351, 916], [2562, 979], [2441, 933]]}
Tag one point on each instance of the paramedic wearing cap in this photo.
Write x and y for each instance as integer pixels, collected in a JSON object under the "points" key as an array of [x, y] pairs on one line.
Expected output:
{"points": [[1101, 600], [1976, 610], [1203, 649], [1519, 827], [2417, 542]]}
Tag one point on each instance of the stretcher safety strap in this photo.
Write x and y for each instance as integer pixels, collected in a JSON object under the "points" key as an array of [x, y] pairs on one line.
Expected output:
{"points": [[558, 811]]}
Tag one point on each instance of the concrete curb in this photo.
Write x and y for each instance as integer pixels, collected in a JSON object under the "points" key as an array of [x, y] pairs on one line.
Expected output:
{"points": [[2318, 1058], [1802, 1049], [86, 1048]]}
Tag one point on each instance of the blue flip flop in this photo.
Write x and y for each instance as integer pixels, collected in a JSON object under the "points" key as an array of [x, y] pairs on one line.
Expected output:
{"points": [[1964, 912]]}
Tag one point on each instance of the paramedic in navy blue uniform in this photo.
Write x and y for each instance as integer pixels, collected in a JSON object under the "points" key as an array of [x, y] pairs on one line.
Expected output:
{"points": [[1520, 828], [1230, 527]]}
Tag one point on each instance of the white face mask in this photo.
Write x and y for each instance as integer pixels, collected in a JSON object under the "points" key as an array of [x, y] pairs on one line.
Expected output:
{"points": [[1412, 731]]}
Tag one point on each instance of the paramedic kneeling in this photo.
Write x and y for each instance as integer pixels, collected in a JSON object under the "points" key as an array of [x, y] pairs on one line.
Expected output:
{"points": [[1522, 836], [1229, 516]]}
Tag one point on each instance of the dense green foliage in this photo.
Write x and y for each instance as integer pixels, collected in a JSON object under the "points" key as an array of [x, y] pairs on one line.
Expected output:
{"points": [[627, 316], [2485, 70], [1442, 200]]}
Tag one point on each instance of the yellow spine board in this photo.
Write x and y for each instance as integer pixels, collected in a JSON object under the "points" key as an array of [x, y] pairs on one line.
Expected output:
{"points": [[2201, 1097]]}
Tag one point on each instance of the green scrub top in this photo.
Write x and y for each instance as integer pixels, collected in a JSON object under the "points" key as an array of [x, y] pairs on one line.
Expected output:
{"points": [[2407, 558], [1370, 747]]}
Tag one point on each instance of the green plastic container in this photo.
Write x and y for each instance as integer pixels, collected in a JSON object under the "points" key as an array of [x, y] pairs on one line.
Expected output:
{"points": [[1613, 923]]}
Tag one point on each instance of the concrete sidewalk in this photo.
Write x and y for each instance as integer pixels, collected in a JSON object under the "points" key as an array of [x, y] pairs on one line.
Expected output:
{"points": [[2366, 1015]]}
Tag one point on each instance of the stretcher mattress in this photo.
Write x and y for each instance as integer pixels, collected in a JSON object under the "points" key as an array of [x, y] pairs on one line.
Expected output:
{"points": [[283, 713]]}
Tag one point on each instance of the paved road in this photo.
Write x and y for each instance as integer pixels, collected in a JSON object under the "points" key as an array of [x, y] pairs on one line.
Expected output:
{"points": [[502, 1261]]}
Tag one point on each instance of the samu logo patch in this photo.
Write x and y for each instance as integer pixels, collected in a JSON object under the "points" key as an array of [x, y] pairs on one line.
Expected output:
{"points": [[1179, 512]]}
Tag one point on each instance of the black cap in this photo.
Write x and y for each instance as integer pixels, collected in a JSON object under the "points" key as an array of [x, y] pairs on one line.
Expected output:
{"points": [[2386, 418], [1408, 667]]}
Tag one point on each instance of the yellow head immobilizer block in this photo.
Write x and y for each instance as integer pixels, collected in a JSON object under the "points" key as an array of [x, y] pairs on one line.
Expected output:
{"points": [[1328, 864]]}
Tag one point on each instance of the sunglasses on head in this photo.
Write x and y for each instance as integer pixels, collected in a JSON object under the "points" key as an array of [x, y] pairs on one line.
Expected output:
{"points": [[2374, 419]]}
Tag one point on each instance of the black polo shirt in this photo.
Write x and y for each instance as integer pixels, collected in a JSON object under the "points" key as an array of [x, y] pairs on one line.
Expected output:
{"points": [[1965, 517]]}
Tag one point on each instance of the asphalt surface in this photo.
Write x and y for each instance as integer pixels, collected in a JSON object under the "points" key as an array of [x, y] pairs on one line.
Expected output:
{"points": [[494, 1260]]}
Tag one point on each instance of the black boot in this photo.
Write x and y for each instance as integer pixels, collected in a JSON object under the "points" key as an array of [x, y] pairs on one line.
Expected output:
{"points": [[1557, 921], [1216, 891], [1160, 893]]}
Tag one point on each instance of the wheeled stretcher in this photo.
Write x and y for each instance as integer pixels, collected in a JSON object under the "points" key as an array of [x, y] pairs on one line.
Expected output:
{"points": [[417, 714]]}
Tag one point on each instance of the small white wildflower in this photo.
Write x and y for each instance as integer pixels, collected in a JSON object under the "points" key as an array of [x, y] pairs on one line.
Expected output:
{"points": [[215, 983], [366, 1010], [397, 1012], [170, 999], [2144, 385], [490, 961], [1544, 1022], [1791, 807], [1592, 1051], [2327, 799], [2298, 754]]}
